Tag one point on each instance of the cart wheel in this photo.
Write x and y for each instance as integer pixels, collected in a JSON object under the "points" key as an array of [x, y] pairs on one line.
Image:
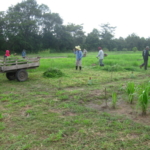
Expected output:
{"points": [[21, 75], [11, 75]]}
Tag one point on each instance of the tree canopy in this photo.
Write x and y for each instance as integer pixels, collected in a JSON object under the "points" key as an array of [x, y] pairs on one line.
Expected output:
{"points": [[33, 27]]}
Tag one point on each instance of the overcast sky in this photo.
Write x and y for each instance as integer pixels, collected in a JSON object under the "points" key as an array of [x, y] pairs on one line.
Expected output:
{"points": [[129, 16]]}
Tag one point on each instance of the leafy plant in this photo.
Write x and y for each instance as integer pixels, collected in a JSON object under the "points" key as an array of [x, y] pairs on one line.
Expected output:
{"points": [[56, 136], [134, 49], [130, 89], [114, 99], [143, 100], [29, 112]]}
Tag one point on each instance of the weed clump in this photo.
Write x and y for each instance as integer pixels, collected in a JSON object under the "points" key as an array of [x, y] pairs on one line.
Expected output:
{"points": [[53, 73], [130, 68], [113, 68]]}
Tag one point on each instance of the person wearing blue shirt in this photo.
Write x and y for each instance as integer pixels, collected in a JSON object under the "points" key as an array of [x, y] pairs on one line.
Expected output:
{"points": [[78, 53], [24, 53]]}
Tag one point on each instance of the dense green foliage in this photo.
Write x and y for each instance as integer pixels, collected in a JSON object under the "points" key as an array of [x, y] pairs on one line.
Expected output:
{"points": [[34, 27]]}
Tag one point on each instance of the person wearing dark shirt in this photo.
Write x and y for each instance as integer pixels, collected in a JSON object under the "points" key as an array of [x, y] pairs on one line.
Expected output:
{"points": [[145, 55]]}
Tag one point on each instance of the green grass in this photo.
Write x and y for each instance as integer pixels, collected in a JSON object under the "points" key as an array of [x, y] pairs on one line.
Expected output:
{"points": [[56, 113]]}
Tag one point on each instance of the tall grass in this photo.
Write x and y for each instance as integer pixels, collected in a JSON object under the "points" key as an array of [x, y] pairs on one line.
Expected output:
{"points": [[143, 98], [90, 66], [130, 89], [114, 99], [119, 61]]}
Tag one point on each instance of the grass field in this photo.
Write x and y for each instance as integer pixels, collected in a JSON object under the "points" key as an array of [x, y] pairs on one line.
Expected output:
{"points": [[73, 112]]}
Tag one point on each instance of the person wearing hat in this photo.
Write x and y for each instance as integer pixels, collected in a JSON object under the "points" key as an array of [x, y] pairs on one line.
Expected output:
{"points": [[100, 56], [78, 53], [145, 55]]}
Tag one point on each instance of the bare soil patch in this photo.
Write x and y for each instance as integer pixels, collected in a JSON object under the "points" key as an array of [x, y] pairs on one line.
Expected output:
{"points": [[122, 108]]}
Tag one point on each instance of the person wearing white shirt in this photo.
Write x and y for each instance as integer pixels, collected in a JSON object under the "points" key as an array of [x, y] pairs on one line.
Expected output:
{"points": [[100, 56], [84, 52]]}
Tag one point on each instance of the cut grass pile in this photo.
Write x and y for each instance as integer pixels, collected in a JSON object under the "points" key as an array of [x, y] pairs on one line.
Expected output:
{"points": [[53, 73]]}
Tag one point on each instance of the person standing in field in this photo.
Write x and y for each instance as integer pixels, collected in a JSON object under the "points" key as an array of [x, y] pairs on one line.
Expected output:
{"points": [[100, 56], [145, 55], [23, 53], [84, 52], [78, 53], [7, 54]]}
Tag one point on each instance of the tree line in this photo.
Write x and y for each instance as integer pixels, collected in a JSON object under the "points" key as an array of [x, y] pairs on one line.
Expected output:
{"points": [[34, 27]]}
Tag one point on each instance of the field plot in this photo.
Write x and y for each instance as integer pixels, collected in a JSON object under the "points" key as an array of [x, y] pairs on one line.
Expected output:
{"points": [[98, 108]]}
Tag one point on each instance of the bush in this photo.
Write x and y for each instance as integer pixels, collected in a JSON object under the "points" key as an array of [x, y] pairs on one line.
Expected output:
{"points": [[134, 49], [124, 49], [105, 49], [115, 49], [53, 73]]}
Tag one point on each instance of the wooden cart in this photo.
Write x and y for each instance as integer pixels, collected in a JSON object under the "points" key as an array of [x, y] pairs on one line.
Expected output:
{"points": [[16, 68]]}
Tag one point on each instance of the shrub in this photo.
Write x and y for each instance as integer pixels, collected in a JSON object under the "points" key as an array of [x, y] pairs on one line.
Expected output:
{"points": [[134, 49], [53, 72], [115, 49], [124, 49], [105, 49]]}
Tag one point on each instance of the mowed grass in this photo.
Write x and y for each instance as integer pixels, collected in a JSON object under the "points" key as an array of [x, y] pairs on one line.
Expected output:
{"points": [[53, 114]]}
